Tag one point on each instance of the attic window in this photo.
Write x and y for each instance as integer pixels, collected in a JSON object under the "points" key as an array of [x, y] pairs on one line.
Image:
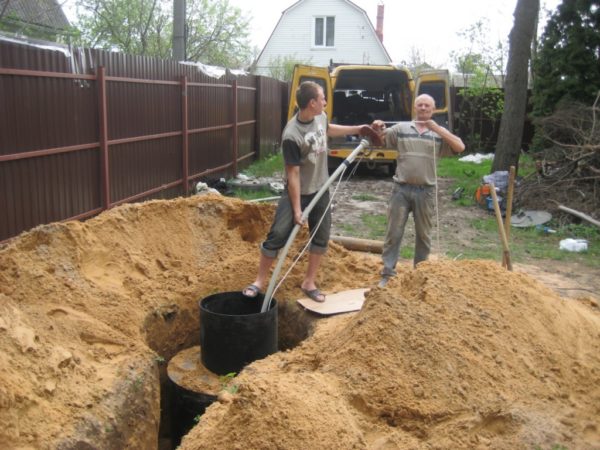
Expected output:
{"points": [[324, 31]]}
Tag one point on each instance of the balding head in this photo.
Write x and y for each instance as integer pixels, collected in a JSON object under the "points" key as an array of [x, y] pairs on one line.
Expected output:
{"points": [[424, 107], [425, 97]]}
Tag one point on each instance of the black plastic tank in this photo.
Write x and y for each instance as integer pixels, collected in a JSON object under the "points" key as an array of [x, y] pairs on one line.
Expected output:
{"points": [[234, 332]]}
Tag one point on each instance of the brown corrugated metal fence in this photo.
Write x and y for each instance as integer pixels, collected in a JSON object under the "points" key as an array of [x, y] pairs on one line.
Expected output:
{"points": [[85, 131]]}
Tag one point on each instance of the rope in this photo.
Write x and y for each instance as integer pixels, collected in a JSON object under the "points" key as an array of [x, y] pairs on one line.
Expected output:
{"points": [[437, 210], [312, 235]]}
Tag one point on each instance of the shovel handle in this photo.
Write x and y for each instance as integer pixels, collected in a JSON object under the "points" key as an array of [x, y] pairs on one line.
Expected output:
{"points": [[506, 254], [509, 201]]}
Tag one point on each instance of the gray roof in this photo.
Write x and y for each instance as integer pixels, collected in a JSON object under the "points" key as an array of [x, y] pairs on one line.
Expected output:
{"points": [[43, 13]]}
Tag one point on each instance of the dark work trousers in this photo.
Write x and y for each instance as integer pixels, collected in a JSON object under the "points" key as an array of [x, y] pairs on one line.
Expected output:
{"points": [[284, 223], [407, 198]]}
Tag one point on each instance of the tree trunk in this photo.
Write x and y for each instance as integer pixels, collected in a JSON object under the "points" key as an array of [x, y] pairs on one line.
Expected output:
{"points": [[510, 136]]}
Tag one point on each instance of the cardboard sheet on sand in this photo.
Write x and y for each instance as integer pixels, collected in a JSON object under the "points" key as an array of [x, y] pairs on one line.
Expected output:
{"points": [[340, 302]]}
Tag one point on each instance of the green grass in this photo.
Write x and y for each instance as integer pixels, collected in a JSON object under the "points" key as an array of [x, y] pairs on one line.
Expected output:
{"points": [[365, 198], [252, 194], [376, 225], [527, 244], [266, 167], [372, 226], [533, 243], [468, 175]]}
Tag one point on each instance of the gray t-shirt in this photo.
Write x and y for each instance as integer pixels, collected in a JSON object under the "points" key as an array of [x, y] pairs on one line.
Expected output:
{"points": [[305, 145], [416, 155]]}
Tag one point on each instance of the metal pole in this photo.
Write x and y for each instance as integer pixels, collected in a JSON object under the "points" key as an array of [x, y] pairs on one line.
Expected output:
{"points": [[234, 111], [282, 254], [179, 44], [185, 136], [103, 136]]}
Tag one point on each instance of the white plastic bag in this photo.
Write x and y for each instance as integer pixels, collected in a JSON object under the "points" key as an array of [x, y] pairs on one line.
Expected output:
{"points": [[477, 158], [573, 245]]}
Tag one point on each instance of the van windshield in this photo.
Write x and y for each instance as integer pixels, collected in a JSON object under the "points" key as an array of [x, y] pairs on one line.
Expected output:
{"points": [[437, 89], [363, 95]]}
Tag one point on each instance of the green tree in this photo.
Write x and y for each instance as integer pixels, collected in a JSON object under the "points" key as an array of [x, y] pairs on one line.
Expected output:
{"points": [[136, 27], [481, 66], [39, 20], [216, 32], [567, 66], [282, 68]]}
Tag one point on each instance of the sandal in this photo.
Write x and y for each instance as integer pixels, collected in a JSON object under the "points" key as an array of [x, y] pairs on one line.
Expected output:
{"points": [[314, 294], [251, 291]]}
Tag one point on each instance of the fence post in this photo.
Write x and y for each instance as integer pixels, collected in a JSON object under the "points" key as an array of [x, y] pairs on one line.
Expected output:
{"points": [[185, 135], [258, 116], [103, 136], [235, 126]]}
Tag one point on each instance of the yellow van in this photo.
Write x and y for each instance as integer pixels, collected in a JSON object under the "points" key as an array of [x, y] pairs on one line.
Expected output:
{"points": [[360, 94]]}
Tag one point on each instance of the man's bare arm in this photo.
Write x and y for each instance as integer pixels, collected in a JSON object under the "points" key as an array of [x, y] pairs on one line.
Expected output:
{"points": [[455, 143], [293, 185]]}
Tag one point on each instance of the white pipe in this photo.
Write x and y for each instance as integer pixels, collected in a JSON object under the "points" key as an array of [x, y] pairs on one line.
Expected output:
{"points": [[282, 254]]}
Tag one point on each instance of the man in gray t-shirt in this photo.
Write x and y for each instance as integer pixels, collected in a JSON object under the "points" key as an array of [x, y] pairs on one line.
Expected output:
{"points": [[304, 147], [418, 143]]}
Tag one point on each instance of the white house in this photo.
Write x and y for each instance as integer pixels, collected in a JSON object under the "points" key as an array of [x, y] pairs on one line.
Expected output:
{"points": [[317, 32]]}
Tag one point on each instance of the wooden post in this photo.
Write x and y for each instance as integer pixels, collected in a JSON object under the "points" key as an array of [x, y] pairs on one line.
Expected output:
{"points": [[509, 200], [506, 254]]}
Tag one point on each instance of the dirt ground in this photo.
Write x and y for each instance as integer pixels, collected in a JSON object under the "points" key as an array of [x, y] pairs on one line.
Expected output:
{"points": [[455, 354]]}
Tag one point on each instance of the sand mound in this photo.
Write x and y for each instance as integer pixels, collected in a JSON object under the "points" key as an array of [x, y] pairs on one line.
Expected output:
{"points": [[452, 355]]}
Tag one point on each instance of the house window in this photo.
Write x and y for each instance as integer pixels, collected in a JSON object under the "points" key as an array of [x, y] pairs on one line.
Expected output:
{"points": [[324, 31]]}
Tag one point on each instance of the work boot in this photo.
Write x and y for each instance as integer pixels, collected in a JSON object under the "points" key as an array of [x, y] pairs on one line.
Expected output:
{"points": [[384, 281]]}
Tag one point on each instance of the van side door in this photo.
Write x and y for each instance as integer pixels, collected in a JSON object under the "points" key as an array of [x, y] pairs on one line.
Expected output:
{"points": [[319, 75], [437, 84]]}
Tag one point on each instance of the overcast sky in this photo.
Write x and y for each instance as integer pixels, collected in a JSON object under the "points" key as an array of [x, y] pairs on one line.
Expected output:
{"points": [[429, 26]]}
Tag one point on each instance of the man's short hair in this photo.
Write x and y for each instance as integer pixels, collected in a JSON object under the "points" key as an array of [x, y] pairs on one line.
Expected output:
{"points": [[307, 91]]}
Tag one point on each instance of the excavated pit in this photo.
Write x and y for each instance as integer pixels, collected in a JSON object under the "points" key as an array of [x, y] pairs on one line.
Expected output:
{"points": [[187, 387], [190, 386], [450, 355]]}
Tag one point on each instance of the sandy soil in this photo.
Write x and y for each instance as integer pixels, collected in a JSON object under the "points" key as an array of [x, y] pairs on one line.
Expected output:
{"points": [[455, 354]]}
